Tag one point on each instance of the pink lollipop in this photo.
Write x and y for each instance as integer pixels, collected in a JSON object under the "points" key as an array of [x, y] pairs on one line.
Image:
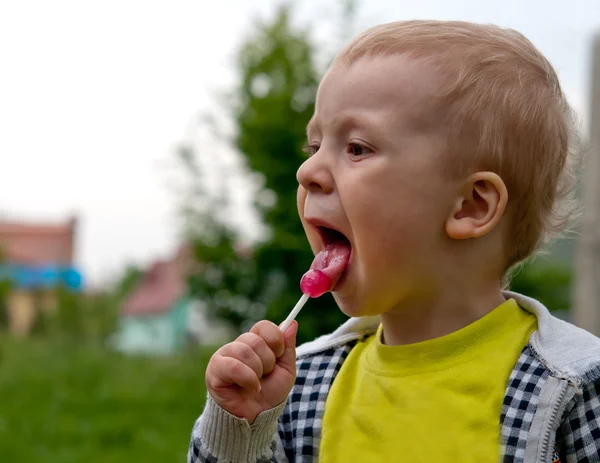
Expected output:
{"points": [[315, 283], [325, 272]]}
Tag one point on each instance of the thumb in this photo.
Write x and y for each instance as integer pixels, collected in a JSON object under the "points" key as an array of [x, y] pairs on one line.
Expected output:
{"points": [[288, 359]]}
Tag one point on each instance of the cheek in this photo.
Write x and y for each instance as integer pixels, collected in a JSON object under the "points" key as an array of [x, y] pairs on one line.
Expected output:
{"points": [[392, 221]]}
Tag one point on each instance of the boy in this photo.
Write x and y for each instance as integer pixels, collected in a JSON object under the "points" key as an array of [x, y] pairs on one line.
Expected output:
{"points": [[440, 157]]}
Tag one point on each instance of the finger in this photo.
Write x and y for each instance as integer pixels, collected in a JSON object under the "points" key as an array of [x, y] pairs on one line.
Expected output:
{"points": [[245, 354], [288, 359], [264, 352], [232, 371], [272, 336]]}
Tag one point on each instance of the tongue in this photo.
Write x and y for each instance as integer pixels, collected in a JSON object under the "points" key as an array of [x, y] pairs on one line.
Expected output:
{"points": [[326, 269]]}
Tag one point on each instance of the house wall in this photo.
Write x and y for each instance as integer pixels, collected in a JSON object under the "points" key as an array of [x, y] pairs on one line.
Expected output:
{"points": [[161, 333], [21, 312], [169, 332], [153, 334], [179, 320], [24, 308]]}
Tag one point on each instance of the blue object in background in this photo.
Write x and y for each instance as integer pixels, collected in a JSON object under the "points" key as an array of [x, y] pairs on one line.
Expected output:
{"points": [[24, 277], [5, 273], [72, 279], [49, 276]]}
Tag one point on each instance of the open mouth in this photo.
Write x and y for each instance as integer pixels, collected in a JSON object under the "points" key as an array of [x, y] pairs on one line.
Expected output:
{"points": [[334, 257], [330, 236]]}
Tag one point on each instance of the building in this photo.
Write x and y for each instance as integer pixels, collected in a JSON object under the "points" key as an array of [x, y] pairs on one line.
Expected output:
{"points": [[35, 259], [159, 317]]}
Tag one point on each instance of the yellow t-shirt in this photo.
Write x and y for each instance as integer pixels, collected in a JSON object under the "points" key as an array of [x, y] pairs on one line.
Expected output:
{"points": [[435, 401]]}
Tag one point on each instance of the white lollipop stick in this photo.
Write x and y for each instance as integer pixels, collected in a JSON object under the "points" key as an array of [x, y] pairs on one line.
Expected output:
{"points": [[294, 312]]}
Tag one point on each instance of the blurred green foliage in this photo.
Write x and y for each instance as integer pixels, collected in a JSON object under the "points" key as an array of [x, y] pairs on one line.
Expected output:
{"points": [[549, 281], [4, 290], [92, 316], [223, 279], [5, 287], [89, 316], [73, 402], [273, 103], [271, 126]]}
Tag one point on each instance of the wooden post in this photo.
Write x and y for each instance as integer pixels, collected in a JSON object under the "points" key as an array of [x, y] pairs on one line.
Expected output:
{"points": [[587, 291]]}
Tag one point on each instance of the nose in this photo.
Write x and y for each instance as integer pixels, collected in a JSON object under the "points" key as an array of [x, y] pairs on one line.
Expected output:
{"points": [[315, 174]]}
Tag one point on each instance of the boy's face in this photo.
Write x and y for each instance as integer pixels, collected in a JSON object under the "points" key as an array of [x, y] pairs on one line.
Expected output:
{"points": [[376, 175]]}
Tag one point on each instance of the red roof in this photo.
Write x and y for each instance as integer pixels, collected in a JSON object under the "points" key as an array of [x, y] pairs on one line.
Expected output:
{"points": [[159, 288], [162, 284], [38, 244]]}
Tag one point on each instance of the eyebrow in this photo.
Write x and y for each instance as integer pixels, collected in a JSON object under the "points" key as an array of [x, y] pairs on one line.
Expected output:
{"points": [[310, 126], [341, 122]]}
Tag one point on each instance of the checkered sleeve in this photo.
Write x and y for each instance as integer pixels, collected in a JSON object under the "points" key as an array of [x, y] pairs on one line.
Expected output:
{"points": [[218, 436], [302, 418], [580, 432], [520, 403]]}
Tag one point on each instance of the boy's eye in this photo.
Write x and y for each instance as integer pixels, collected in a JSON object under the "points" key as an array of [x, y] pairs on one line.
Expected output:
{"points": [[356, 149], [311, 148]]}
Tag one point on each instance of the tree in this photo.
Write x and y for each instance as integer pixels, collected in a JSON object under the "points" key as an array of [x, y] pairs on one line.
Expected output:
{"points": [[102, 308], [5, 287], [224, 277], [273, 103], [69, 313], [130, 277], [276, 101], [548, 281]]}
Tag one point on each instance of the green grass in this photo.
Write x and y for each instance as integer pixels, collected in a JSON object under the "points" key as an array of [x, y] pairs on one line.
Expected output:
{"points": [[62, 402]]}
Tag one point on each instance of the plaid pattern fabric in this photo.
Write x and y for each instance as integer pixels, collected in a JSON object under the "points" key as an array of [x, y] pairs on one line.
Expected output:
{"points": [[198, 454], [580, 432], [300, 423], [520, 402], [299, 427]]}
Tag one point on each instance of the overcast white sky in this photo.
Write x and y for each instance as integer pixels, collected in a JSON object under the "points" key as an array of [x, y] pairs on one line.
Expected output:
{"points": [[94, 95]]}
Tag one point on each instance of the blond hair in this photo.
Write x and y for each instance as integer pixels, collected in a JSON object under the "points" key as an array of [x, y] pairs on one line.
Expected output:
{"points": [[505, 112]]}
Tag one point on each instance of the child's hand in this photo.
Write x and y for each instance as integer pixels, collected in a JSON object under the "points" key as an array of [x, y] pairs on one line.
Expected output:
{"points": [[254, 373]]}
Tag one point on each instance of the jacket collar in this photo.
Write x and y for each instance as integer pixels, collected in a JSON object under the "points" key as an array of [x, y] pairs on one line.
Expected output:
{"points": [[566, 350]]}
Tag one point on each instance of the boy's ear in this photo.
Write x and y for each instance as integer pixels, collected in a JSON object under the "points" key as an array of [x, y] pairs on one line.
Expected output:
{"points": [[479, 208]]}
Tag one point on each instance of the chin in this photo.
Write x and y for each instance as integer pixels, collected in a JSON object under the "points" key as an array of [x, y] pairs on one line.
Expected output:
{"points": [[351, 308]]}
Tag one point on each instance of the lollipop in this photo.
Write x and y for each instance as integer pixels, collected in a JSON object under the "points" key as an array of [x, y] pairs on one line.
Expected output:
{"points": [[325, 272], [315, 283]]}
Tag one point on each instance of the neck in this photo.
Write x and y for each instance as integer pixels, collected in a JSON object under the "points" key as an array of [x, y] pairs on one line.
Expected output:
{"points": [[448, 310]]}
